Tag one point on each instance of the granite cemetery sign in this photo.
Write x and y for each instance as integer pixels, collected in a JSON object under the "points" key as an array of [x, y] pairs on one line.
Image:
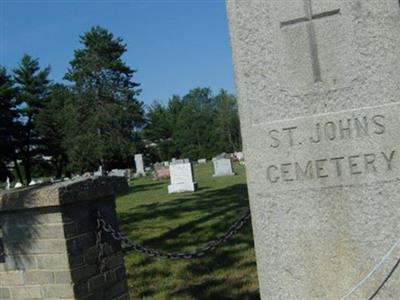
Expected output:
{"points": [[318, 84]]}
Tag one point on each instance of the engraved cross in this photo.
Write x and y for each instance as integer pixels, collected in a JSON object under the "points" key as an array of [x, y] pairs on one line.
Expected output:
{"points": [[308, 19]]}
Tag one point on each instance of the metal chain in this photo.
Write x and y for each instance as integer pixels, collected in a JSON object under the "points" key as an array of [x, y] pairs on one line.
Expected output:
{"points": [[210, 246], [100, 245], [132, 246]]}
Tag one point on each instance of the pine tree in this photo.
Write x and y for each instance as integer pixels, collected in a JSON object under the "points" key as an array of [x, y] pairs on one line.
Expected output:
{"points": [[227, 123], [32, 83], [9, 126], [53, 123], [107, 111], [194, 132]]}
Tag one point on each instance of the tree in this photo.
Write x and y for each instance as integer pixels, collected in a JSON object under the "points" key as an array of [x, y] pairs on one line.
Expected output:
{"points": [[227, 123], [32, 83], [194, 126], [107, 111], [53, 124], [160, 128], [8, 124], [194, 132]]}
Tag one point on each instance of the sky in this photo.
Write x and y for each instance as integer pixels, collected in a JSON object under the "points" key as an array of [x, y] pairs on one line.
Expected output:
{"points": [[175, 45]]}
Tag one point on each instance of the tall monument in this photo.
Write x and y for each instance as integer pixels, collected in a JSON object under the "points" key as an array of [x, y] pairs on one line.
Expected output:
{"points": [[139, 165], [319, 100]]}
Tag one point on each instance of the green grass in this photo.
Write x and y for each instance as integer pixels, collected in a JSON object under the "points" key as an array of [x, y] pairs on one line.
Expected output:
{"points": [[183, 222]]}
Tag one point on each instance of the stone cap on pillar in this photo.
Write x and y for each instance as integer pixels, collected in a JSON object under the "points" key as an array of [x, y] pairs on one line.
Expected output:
{"points": [[62, 193]]}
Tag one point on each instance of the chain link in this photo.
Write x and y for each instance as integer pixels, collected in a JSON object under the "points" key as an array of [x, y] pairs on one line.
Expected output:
{"points": [[100, 245], [132, 246]]}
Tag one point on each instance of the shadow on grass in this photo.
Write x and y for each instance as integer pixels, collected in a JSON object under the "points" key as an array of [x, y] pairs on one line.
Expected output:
{"points": [[145, 187], [227, 273]]}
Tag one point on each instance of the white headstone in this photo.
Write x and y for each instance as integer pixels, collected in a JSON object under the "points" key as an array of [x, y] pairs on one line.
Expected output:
{"points": [[118, 173], [139, 165], [318, 85], [8, 183], [181, 174], [33, 182], [202, 161], [18, 185], [222, 166], [99, 172]]}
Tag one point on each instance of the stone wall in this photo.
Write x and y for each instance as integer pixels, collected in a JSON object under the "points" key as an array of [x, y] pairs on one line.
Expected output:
{"points": [[48, 234]]}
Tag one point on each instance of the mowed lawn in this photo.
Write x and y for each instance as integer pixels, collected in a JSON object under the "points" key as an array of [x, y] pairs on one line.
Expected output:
{"points": [[183, 222]]}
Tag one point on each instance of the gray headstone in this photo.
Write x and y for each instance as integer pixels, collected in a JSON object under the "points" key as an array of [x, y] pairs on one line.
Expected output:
{"points": [[222, 166], [139, 165], [318, 86], [202, 161], [182, 179]]}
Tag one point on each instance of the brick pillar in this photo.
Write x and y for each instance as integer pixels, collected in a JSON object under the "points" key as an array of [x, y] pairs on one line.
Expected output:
{"points": [[48, 236]]}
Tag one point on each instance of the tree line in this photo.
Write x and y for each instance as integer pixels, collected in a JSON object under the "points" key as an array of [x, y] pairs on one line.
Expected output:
{"points": [[95, 118]]}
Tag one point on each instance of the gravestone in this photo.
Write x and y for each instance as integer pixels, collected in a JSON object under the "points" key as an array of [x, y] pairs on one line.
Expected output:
{"points": [[318, 87], [18, 185], [33, 182], [222, 165], [99, 171], [8, 183], [139, 165], [239, 156], [202, 161], [161, 171], [182, 179], [48, 237], [118, 173]]}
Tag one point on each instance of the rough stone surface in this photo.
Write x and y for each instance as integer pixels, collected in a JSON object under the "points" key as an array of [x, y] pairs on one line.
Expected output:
{"points": [[182, 179], [49, 241], [62, 193], [319, 110]]}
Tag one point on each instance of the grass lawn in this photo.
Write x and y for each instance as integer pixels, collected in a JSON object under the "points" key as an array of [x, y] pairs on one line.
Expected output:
{"points": [[183, 222]]}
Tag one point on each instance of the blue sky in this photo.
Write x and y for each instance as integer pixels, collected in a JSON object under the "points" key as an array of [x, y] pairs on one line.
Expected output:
{"points": [[175, 45]]}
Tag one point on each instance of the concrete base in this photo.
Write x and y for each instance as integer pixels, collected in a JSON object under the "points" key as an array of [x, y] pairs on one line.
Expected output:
{"points": [[180, 188]]}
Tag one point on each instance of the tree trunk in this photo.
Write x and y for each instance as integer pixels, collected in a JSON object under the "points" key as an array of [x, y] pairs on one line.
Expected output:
{"points": [[59, 167], [17, 170], [27, 168]]}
